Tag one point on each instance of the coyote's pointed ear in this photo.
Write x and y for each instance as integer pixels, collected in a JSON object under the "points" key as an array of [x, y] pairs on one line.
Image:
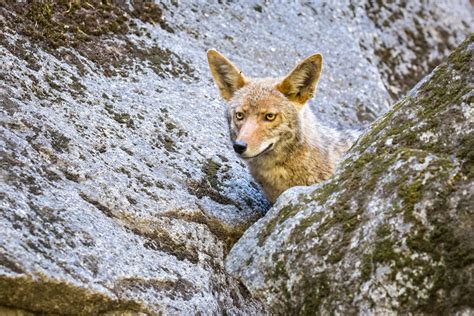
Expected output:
{"points": [[300, 85], [228, 78]]}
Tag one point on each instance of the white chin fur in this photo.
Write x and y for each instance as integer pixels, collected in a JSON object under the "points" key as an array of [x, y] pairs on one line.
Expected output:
{"points": [[260, 150]]}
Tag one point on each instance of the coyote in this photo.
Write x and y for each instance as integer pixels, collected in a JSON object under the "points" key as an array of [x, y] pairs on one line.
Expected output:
{"points": [[279, 138]]}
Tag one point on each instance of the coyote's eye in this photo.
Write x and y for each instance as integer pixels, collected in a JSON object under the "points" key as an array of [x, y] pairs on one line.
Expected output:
{"points": [[239, 116], [270, 116]]}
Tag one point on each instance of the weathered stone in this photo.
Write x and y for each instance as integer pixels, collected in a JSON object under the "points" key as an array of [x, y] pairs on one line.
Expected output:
{"points": [[393, 230], [120, 192]]}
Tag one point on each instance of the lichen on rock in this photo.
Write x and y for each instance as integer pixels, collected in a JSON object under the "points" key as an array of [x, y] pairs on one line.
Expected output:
{"points": [[120, 192], [392, 231]]}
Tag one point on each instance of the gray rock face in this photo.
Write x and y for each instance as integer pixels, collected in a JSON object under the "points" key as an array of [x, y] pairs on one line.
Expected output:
{"points": [[393, 230], [410, 38], [120, 191]]}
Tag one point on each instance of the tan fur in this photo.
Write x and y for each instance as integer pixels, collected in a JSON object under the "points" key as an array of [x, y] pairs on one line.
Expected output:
{"points": [[292, 149], [228, 78], [295, 86]]}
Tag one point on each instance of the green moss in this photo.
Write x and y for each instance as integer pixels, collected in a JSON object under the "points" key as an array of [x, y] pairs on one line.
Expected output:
{"points": [[280, 269], [383, 230], [335, 256], [279, 273], [384, 251], [84, 25], [366, 267], [316, 291], [324, 192], [286, 212], [50, 296], [411, 194], [349, 221], [453, 253], [418, 242], [151, 13], [466, 155], [67, 23], [266, 231], [461, 58]]}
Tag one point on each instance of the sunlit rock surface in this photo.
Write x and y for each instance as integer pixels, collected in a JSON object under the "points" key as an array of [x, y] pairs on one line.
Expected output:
{"points": [[393, 230], [119, 189]]}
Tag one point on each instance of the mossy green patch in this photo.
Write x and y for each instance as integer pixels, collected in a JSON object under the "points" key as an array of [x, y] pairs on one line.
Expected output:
{"points": [[366, 267], [66, 23], [466, 154], [315, 294], [411, 194], [335, 256], [87, 25]]}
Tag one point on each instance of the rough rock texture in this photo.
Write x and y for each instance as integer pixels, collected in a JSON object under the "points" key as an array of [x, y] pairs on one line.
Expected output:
{"points": [[119, 189], [411, 38], [393, 230]]}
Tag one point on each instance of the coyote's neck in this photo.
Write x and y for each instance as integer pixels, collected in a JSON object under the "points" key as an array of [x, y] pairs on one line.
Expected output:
{"points": [[310, 159]]}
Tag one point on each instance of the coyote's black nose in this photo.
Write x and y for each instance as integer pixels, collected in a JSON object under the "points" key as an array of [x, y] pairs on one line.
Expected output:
{"points": [[240, 146]]}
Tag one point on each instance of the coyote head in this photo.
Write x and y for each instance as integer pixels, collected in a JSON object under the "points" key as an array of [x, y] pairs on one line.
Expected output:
{"points": [[264, 115]]}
